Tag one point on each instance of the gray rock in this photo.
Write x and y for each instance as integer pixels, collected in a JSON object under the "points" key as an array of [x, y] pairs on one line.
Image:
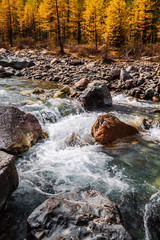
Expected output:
{"points": [[132, 69], [77, 215], [149, 93], [6, 72], [124, 75], [96, 96], [18, 130], [8, 177]]}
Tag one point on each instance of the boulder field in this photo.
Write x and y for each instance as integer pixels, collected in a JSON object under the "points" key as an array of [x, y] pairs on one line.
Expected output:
{"points": [[137, 78]]}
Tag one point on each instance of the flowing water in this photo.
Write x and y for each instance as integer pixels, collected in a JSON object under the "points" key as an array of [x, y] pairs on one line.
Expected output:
{"points": [[127, 172]]}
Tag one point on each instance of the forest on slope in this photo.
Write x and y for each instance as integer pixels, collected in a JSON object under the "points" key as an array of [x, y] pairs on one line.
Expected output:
{"points": [[116, 23]]}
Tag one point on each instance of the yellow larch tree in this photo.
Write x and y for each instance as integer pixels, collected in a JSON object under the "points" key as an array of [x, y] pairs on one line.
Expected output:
{"points": [[8, 19], [76, 19], [116, 23], [142, 20], [94, 19]]}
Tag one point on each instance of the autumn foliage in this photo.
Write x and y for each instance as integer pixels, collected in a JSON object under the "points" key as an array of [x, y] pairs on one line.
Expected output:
{"points": [[114, 22]]}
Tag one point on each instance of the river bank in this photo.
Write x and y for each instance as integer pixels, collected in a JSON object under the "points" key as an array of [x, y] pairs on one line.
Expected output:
{"points": [[139, 79]]}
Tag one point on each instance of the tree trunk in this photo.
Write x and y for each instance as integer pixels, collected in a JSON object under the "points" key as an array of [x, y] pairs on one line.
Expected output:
{"points": [[10, 32], [79, 32], [59, 30]]}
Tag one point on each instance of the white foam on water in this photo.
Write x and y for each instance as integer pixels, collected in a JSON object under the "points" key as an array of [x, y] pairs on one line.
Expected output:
{"points": [[153, 134], [155, 198], [124, 100], [3, 93], [70, 158]]}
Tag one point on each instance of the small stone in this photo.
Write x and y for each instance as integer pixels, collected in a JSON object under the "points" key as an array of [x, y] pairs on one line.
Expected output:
{"points": [[155, 99], [149, 93], [38, 90], [65, 89]]}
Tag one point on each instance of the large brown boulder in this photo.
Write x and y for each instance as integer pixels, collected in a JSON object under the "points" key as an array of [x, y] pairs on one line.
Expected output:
{"points": [[107, 129], [77, 215], [18, 130], [8, 177]]}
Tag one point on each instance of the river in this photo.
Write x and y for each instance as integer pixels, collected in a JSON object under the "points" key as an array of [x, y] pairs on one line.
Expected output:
{"points": [[127, 172]]}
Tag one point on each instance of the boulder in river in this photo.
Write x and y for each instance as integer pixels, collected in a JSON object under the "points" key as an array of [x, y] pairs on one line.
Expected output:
{"points": [[6, 72], [18, 130], [96, 96], [8, 177], [77, 215], [107, 129]]}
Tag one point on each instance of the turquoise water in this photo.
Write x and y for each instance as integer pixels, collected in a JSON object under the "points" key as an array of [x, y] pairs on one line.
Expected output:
{"points": [[127, 172]]}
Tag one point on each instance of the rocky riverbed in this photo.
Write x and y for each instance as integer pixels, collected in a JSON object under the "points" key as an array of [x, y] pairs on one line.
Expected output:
{"points": [[139, 79], [127, 172]]}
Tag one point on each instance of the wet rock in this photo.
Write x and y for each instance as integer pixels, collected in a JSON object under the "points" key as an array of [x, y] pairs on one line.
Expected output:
{"points": [[6, 72], [16, 63], [96, 96], [130, 84], [81, 84], [18, 130], [107, 129], [65, 89], [38, 91], [77, 215], [59, 94], [135, 92], [149, 93], [8, 177]]}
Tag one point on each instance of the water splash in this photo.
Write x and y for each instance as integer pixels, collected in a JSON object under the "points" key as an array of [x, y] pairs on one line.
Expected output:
{"points": [[151, 210]]}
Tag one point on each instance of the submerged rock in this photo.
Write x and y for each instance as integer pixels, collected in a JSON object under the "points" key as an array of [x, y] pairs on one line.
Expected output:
{"points": [[8, 177], [18, 130], [96, 96], [77, 215], [107, 129]]}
